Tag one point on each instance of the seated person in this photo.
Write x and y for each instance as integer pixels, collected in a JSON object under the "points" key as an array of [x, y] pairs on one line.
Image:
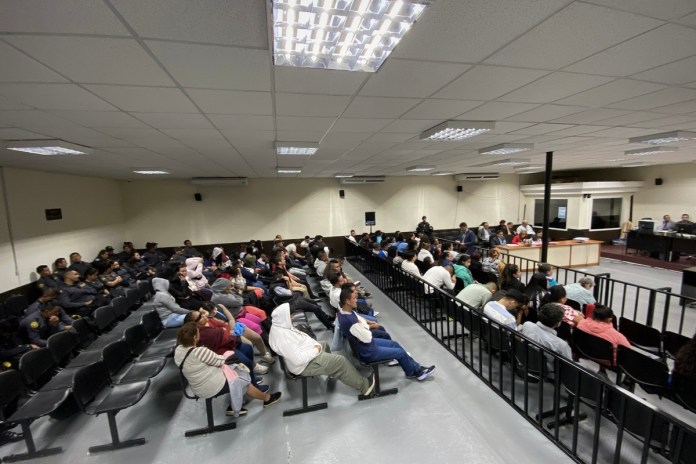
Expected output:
{"points": [[306, 357], [60, 265], [181, 290], [409, 263], [477, 295], [12, 344], [498, 238], [195, 277], [139, 267], [461, 269], [46, 278], [152, 255], [543, 332], [224, 294], [504, 311], [41, 324], [372, 349], [353, 237], [484, 234], [295, 282], [77, 297], [92, 279], [77, 264], [424, 251], [102, 257], [365, 241], [281, 293], [127, 254], [440, 277], [207, 375], [178, 258], [171, 314], [685, 361], [190, 251], [493, 264], [294, 254], [521, 237], [581, 291], [511, 278], [557, 294], [601, 326], [111, 280], [320, 263], [548, 270], [525, 227]]}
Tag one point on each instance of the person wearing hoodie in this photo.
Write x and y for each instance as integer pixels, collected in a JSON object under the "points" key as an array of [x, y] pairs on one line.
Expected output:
{"points": [[223, 294], [171, 314], [306, 357]]}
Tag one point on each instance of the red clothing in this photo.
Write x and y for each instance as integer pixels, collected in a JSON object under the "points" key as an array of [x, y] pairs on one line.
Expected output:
{"points": [[604, 330], [516, 239], [216, 336]]}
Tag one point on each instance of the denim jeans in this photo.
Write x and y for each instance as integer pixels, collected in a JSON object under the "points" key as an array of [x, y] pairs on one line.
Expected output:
{"points": [[245, 353], [174, 320], [389, 349]]}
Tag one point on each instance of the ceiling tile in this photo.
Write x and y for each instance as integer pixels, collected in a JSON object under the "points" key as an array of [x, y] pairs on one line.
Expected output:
{"points": [[188, 134], [688, 20], [673, 122], [414, 127], [321, 81], [448, 32], [678, 108], [212, 21], [629, 119], [590, 116], [17, 67], [144, 99], [554, 87], [359, 125], [405, 78], [440, 109], [294, 123], [31, 119], [656, 99], [488, 82], [389, 137], [232, 101], [215, 67], [174, 120], [539, 129], [300, 136], [679, 72], [493, 111], [95, 60], [665, 9], [657, 47], [572, 34], [18, 134], [546, 113], [54, 97], [65, 16], [9, 104], [376, 107], [310, 105], [241, 122], [611, 92], [98, 119]]}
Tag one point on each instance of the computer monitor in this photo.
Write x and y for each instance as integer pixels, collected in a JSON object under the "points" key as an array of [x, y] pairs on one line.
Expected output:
{"points": [[645, 226], [686, 228]]}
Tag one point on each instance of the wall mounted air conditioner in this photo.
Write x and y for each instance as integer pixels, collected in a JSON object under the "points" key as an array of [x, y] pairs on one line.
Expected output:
{"points": [[220, 181], [477, 176], [363, 180]]}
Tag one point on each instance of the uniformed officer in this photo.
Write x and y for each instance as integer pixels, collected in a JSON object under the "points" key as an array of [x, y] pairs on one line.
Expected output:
{"points": [[178, 258], [46, 278], [92, 279], [59, 267], [40, 325], [128, 280], [78, 297], [77, 264], [102, 257], [190, 251]]}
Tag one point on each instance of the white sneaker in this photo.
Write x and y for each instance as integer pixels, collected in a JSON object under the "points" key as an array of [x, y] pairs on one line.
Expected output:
{"points": [[268, 358], [393, 362], [375, 314], [260, 369]]}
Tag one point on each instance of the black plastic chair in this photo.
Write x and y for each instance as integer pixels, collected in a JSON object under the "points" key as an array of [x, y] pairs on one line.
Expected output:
{"points": [[11, 389], [673, 342], [210, 422], [37, 367], [120, 306], [91, 381], [118, 356], [375, 369], [652, 375], [62, 346], [133, 298], [638, 418], [684, 390], [594, 348], [15, 305], [306, 407], [529, 360], [155, 330], [84, 332], [642, 336], [682, 446], [574, 304], [137, 339], [104, 317], [580, 388]]}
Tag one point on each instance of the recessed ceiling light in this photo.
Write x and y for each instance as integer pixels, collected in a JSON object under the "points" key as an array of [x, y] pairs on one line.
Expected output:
{"points": [[349, 35], [151, 171], [651, 151], [505, 162], [443, 173], [617, 159], [634, 165], [457, 130], [420, 168], [666, 137], [289, 170], [296, 148], [506, 149], [341, 175], [529, 167], [48, 147]]}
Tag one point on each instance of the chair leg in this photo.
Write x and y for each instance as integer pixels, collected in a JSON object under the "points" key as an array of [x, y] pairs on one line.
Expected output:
{"points": [[116, 443], [567, 418], [211, 427], [306, 407], [31, 448], [378, 391]]}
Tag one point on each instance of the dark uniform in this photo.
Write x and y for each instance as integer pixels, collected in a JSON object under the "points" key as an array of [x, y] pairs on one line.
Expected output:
{"points": [[191, 252], [74, 297], [47, 282], [123, 257], [37, 329], [80, 267], [107, 279], [154, 258], [12, 347]]}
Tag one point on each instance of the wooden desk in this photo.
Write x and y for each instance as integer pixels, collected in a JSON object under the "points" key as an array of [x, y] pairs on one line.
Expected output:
{"points": [[566, 253]]}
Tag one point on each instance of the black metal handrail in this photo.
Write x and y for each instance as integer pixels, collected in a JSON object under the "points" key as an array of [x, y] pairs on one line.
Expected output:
{"points": [[503, 359]]}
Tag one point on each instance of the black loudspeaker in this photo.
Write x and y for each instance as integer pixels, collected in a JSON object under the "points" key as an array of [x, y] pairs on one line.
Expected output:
{"points": [[459, 188], [342, 193], [658, 181], [198, 196]]}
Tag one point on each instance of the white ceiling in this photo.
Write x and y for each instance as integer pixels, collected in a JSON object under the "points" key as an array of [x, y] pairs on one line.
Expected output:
{"points": [[190, 86]]}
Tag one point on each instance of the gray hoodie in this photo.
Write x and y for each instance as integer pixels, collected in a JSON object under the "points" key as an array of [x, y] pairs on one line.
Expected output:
{"points": [[163, 301], [231, 301]]}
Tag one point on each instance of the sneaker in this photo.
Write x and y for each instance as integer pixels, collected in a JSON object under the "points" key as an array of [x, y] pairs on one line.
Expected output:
{"points": [[259, 380], [371, 388], [393, 363], [230, 412], [275, 397], [260, 369], [375, 314], [263, 388], [268, 358], [425, 372]]}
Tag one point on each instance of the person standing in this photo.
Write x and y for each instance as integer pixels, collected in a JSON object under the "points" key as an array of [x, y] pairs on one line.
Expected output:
{"points": [[424, 227]]}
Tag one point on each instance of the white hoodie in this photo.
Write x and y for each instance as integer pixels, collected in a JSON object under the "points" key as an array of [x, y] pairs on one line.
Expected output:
{"points": [[297, 348]]}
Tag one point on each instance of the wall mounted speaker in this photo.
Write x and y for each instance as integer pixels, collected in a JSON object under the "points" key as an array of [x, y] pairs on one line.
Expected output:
{"points": [[342, 193], [460, 188], [198, 196], [658, 181]]}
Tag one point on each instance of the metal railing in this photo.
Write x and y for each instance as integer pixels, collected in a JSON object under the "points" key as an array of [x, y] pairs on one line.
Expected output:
{"points": [[604, 423]]}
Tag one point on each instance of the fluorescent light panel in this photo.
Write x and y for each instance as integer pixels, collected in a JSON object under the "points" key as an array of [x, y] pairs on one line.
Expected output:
{"points": [[289, 170], [151, 171], [450, 131], [505, 162], [420, 168], [651, 151], [666, 137], [296, 148], [47, 147], [635, 165], [343, 175], [348, 35], [506, 149], [443, 173]]}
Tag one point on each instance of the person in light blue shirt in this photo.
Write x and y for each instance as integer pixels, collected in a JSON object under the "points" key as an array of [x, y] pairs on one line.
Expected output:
{"points": [[543, 332], [504, 311]]}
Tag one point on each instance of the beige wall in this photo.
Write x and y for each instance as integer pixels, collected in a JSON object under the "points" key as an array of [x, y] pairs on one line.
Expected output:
{"points": [[92, 218], [166, 212]]}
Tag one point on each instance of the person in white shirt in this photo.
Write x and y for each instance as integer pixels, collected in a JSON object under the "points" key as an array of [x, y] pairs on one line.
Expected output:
{"points": [[424, 252], [504, 311], [352, 238], [477, 295], [439, 277], [409, 264], [526, 227], [543, 333]]}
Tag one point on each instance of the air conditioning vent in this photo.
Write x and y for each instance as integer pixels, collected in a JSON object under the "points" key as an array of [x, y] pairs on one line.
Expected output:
{"points": [[220, 181], [363, 180], [477, 176]]}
